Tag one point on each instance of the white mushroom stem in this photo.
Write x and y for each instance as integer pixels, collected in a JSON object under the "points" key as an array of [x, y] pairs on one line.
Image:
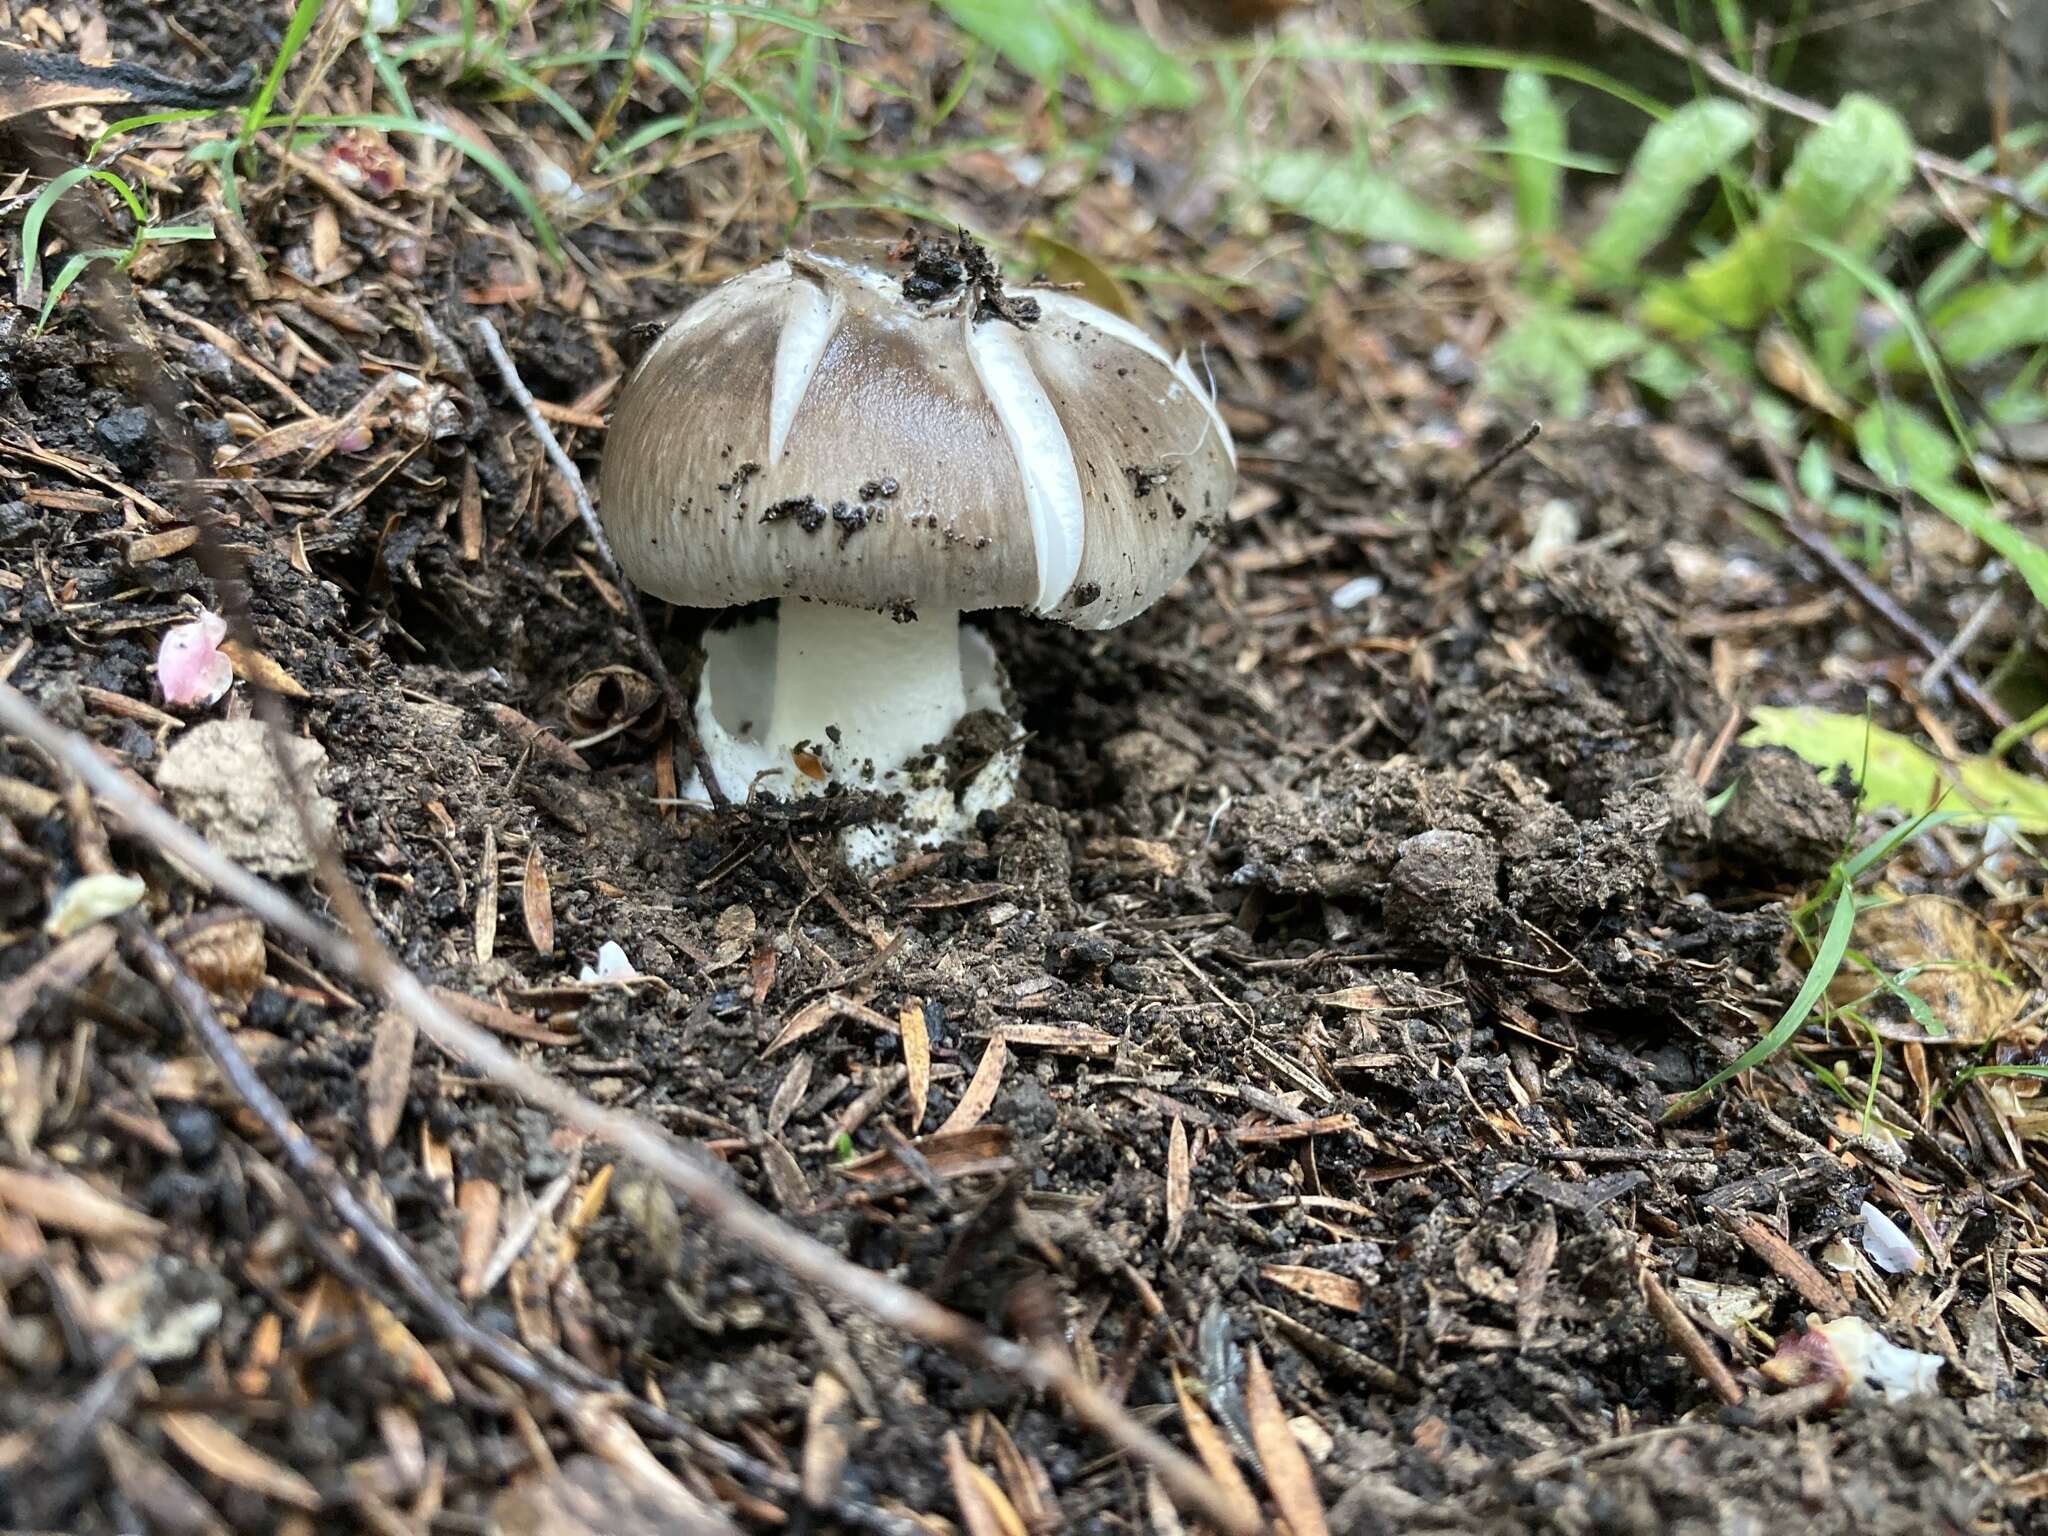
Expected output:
{"points": [[885, 689]]}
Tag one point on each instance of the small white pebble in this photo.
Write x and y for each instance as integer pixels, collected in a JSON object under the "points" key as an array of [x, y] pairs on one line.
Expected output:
{"points": [[1359, 589]]}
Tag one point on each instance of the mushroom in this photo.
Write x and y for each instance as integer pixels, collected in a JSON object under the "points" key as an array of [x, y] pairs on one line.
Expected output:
{"points": [[883, 438]]}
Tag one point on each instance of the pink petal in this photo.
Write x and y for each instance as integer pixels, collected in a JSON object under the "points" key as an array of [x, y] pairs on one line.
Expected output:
{"points": [[189, 666]]}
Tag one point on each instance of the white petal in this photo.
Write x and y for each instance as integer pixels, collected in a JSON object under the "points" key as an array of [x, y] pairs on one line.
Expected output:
{"points": [[1890, 1249]]}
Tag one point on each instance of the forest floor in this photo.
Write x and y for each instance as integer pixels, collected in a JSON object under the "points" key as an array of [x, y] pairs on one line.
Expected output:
{"points": [[1324, 996]]}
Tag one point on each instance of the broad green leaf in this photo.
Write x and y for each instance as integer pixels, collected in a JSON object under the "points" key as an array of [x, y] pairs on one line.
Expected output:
{"points": [[1536, 134], [1125, 68], [1354, 199], [1665, 371], [1900, 775], [1547, 359], [1674, 158], [1842, 179], [1903, 447], [1026, 32], [1985, 320]]}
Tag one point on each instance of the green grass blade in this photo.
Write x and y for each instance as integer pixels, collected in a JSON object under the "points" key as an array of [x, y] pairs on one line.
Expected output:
{"points": [[487, 160], [1827, 960], [45, 200], [304, 14], [68, 274], [146, 120]]}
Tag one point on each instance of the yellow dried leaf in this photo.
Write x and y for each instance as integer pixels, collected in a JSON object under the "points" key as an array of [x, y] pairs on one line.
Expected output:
{"points": [[1332, 1290], [1289, 1477], [215, 1449], [981, 1089], [917, 1057]]}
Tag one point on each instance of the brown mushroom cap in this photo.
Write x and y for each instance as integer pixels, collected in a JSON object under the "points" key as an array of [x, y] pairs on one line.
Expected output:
{"points": [[807, 429]]}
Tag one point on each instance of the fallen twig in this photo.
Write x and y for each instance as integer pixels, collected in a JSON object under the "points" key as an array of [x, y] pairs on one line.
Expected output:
{"points": [[1687, 1339], [1043, 1368], [1764, 94], [678, 709]]}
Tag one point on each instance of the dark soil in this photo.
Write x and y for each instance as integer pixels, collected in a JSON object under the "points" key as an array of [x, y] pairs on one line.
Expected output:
{"points": [[1408, 916]]}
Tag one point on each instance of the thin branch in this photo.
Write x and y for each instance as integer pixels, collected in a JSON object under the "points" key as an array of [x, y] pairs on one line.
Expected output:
{"points": [[701, 1184], [1764, 94], [678, 709], [1498, 457]]}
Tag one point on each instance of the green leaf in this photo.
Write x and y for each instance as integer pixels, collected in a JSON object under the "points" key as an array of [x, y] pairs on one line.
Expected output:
{"points": [[146, 120], [1547, 359], [1842, 180], [1536, 133], [1903, 447], [68, 274], [1125, 69], [304, 14], [1900, 775], [1984, 321], [1353, 199], [45, 200], [1026, 32], [1826, 961], [1673, 159]]}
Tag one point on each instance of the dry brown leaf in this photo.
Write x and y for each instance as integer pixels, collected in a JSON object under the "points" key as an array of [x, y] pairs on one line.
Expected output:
{"points": [[828, 1438], [478, 1201], [164, 1499], [1027, 1483], [55, 977], [214, 1448], [586, 1209], [789, 1093], [983, 1509], [948, 1153], [761, 971], [786, 1176], [1179, 1182], [1214, 1452], [1160, 1515], [917, 1056], [68, 1203], [601, 1427], [253, 666], [1289, 1477], [487, 898], [292, 437], [405, 1351], [1331, 1289], [224, 952], [981, 1089], [388, 1076], [1951, 962], [537, 897], [1066, 1039]]}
